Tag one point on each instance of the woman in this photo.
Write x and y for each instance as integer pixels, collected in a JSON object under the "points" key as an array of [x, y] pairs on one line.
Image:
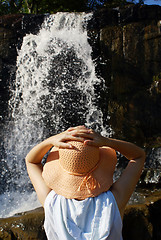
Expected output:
{"points": [[76, 184]]}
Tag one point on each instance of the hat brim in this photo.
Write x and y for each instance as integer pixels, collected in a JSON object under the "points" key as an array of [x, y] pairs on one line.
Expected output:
{"points": [[68, 185]]}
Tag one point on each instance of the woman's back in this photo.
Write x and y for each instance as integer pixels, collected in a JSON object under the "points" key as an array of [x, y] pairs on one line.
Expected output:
{"points": [[91, 218]]}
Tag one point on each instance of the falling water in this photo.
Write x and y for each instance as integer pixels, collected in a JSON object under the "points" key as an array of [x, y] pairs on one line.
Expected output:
{"points": [[55, 87]]}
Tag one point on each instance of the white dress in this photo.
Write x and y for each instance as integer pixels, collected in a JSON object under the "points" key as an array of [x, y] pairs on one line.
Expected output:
{"points": [[95, 218]]}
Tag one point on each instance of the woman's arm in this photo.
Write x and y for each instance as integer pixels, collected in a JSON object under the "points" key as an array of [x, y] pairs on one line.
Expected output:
{"points": [[35, 168], [34, 158], [125, 185]]}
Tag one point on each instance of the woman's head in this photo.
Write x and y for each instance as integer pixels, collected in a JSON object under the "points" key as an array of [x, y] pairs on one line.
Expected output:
{"points": [[80, 172]]}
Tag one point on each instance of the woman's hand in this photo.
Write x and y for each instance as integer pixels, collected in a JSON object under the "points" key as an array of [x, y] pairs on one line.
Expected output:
{"points": [[92, 138], [96, 139], [60, 140], [79, 133]]}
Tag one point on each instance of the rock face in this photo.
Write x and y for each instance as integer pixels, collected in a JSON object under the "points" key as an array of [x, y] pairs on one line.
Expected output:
{"points": [[141, 222], [24, 226], [12, 30], [129, 45]]}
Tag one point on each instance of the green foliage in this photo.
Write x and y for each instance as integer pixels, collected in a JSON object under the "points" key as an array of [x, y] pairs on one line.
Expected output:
{"points": [[52, 6], [41, 6], [3, 7], [10, 6]]}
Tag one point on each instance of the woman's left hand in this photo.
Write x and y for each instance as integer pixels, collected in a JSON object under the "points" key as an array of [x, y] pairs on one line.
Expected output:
{"points": [[92, 138]]}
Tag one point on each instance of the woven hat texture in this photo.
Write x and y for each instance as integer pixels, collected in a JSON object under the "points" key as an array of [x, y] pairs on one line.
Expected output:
{"points": [[81, 172], [79, 160]]}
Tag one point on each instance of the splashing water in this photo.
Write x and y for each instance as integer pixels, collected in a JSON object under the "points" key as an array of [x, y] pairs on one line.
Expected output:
{"points": [[55, 88]]}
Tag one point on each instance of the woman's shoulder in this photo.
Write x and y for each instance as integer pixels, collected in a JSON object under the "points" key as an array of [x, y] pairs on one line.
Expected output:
{"points": [[108, 151]]}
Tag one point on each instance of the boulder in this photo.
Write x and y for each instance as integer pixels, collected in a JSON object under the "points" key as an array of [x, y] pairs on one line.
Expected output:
{"points": [[24, 226]]}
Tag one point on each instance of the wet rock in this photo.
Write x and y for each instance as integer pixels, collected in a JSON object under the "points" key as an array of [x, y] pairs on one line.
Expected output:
{"points": [[142, 221], [133, 56], [126, 44], [26, 226], [12, 30], [136, 223], [155, 213], [150, 178]]}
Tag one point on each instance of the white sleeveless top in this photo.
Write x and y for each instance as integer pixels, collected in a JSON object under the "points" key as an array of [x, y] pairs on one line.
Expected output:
{"points": [[95, 218]]}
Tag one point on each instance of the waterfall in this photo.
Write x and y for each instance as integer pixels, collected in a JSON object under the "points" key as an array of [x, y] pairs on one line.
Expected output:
{"points": [[55, 88]]}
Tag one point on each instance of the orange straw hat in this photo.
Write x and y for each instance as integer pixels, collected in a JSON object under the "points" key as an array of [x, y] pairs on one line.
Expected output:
{"points": [[80, 172]]}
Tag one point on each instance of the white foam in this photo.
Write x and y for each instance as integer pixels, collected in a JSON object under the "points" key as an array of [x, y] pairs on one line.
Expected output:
{"points": [[15, 202]]}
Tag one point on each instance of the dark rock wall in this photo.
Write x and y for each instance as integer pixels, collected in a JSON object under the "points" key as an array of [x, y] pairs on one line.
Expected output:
{"points": [[12, 30], [8, 42], [130, 49]]}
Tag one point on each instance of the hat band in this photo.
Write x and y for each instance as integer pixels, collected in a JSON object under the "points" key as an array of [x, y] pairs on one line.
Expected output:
{"points": [[88, 181], [81, 174]]}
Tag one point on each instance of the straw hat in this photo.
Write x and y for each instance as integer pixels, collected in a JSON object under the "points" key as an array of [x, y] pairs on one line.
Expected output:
{"points": [[81, 172]]}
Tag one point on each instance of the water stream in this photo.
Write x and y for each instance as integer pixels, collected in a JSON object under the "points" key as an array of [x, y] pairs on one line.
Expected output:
{"points": [[55, 88]]}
